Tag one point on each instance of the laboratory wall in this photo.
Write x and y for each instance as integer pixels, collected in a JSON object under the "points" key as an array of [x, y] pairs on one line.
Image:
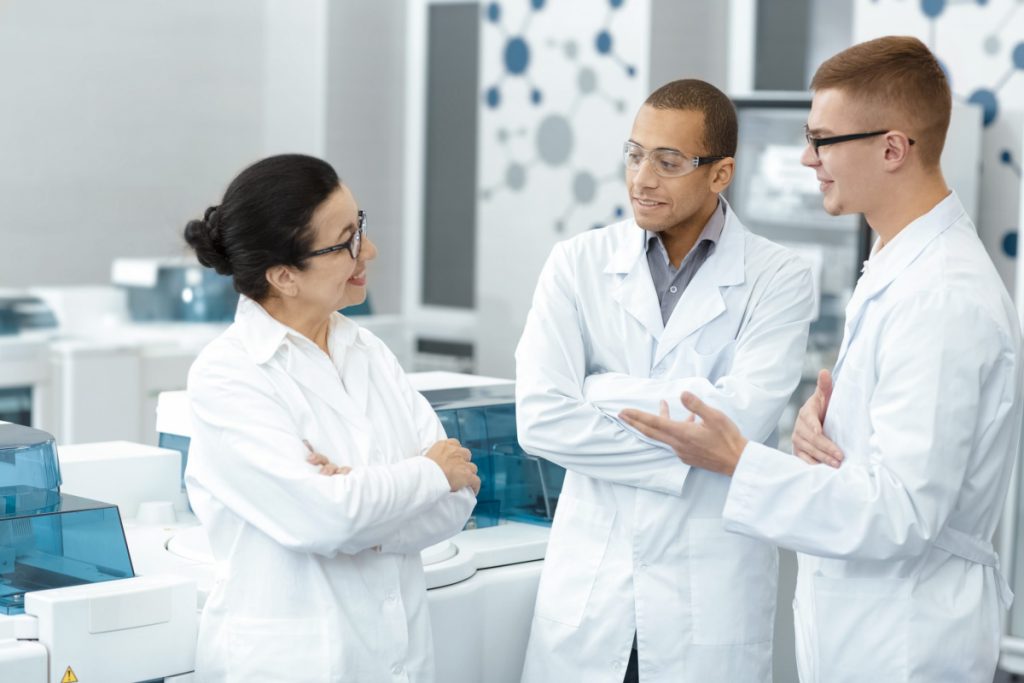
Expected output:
{"points": [[106, 156], [980, 46], [558, 91]]}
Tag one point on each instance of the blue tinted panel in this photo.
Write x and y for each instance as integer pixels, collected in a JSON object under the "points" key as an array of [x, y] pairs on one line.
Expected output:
{"points": [[28, 457], [50, 540], [513, 485]]}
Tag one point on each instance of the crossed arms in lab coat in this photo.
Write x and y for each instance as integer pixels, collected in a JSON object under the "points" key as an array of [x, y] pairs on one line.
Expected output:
{"points": [[254, 464], [568, 417]]}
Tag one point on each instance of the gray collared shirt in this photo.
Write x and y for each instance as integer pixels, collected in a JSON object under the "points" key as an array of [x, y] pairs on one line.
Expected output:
{"points": [[670, 282]]}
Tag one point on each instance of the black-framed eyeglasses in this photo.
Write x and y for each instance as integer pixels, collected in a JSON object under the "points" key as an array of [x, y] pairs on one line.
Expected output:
{"points": [[353, 243], [815, 143], [667, 163]]}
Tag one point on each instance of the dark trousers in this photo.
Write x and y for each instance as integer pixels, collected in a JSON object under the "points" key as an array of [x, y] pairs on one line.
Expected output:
{"points": [[632, 672]]}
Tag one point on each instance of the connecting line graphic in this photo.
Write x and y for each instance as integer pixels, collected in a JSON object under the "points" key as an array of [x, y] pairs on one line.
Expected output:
{"points": [[584, 189]]}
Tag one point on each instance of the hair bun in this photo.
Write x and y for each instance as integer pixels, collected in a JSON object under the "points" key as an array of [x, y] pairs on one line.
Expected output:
{"points": [[205, 238]]}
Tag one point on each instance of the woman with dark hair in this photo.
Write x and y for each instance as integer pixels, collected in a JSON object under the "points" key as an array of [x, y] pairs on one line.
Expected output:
{"points": [[318, 577]]}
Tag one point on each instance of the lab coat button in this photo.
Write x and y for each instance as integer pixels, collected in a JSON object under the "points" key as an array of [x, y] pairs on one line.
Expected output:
{"points": [[390, 598], [397, 669], [618, 664]]}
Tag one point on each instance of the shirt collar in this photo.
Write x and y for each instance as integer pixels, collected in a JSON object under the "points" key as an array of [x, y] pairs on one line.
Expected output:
{"points": [[262, 334], [711, 233], [911, 240]]}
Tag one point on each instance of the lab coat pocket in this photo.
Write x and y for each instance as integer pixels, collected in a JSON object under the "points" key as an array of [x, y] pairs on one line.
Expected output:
{"points": [[861, 628], [261, 649], [579, 538], [733, 582]]}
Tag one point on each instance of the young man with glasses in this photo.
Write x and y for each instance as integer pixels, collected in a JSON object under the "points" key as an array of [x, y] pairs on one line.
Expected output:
{"points": [[640, 581], [898, 578]]}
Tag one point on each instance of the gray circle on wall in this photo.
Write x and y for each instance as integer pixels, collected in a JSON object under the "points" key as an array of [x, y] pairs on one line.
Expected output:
{"points": [[587, 80], [554, 139], [584, 187], [992, 45], [515, 176]]}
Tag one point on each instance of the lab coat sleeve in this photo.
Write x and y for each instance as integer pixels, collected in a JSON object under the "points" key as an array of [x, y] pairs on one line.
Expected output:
{"points": [[447, 516], [933, 354], [252, 461], [554, 420], [765, 369]]}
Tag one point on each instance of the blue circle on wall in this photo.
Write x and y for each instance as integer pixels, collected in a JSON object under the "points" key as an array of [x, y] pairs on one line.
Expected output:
{"points": [[631, 71], [536, 96], [932, 8], [1010, 244], [537, 4], [517, 55], [615, 3], [989, 104], [1006, 156], [604, 42], [1018, 56], [493, 97], [618, 212], [494, 12]]}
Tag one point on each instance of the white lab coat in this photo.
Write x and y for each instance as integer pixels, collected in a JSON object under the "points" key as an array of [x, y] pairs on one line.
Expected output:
{"points": [[318, 578], [926, 407], [637, 543]]}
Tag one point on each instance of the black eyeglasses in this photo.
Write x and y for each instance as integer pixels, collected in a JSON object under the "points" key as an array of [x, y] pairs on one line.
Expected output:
{"points": [[353, 243], [815, 143]]}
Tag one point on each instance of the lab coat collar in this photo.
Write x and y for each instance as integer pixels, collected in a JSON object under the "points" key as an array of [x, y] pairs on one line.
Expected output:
{"points": [[702, 301], [886, 264], [262, 334]]}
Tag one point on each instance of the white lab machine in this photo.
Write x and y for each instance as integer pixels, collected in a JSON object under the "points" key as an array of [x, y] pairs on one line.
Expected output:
{"points": [[96, 372], [71, 607], [481, 584]]}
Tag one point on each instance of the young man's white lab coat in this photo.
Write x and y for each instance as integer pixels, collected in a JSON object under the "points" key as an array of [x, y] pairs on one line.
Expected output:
{"points": [[302, 593], [637, 545], [898, 581]]}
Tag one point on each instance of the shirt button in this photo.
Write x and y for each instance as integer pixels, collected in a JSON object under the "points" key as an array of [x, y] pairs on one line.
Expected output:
{"points": [[673, 289], [397, 669], [390, 598], [617, 664]]}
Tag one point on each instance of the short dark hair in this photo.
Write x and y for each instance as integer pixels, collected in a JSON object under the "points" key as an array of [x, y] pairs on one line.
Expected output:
{"points": [[691, 94], [263, 220], [900, 83]]}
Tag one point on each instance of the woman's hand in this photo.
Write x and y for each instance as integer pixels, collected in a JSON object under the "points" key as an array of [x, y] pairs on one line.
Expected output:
{"points": [[454, 461], [327, 468]]}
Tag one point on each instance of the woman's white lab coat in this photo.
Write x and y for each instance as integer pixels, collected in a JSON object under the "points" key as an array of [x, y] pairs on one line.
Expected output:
{"points": [[318, 577], [898, 581], [637, 543]]}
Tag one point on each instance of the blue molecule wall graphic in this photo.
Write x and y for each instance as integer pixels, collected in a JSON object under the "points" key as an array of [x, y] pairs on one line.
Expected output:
{"points": [[1006, 157], [516, 56], [987, 93], [554, 138]]}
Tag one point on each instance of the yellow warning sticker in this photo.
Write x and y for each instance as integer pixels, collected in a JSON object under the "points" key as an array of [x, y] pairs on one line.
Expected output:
{"points": [[69, 676]]}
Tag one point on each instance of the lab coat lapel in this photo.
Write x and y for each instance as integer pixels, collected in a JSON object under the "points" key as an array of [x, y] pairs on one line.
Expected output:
{"points": [[702, 300], [634, 290], [885, 266], [315, 371]]}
